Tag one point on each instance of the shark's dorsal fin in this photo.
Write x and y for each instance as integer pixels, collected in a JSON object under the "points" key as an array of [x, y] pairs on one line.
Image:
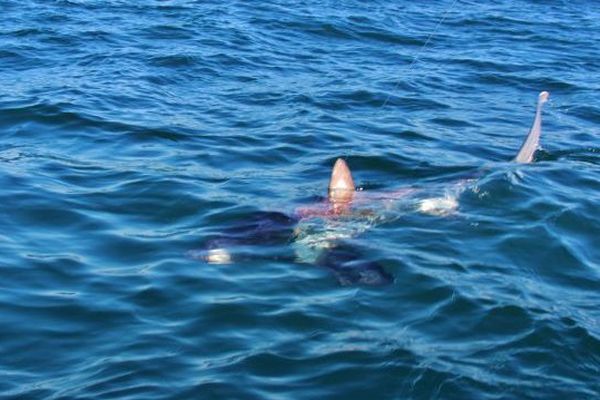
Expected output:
{"points": [[532, 141], [341, 184]]}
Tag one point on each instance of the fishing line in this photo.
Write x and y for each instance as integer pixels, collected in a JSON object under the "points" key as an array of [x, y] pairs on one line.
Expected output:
{"points": [[421, 49], [414, 61]]}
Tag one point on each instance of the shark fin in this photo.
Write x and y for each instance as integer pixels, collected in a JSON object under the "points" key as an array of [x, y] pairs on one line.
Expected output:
{"points": [[341, 184], [532, 141]]}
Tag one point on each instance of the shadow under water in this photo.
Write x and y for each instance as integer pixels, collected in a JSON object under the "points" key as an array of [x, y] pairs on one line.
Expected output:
{"points": [[264, 229]]}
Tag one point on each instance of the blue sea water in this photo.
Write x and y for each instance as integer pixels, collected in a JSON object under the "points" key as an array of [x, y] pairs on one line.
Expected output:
{"points": [[133, 131]]}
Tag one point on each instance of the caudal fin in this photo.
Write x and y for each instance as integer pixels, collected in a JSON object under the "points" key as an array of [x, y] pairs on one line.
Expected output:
{"points": [[532, 141]]}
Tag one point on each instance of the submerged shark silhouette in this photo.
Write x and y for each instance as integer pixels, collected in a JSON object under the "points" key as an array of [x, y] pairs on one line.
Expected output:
{"points": [[320, 233]]}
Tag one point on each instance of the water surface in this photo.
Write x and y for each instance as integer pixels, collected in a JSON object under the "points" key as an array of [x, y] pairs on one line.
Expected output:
{"points": [[131, 132]]}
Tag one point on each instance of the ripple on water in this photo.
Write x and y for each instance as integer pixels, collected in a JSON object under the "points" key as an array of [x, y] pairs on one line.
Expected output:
{"points": [[134, 133]]}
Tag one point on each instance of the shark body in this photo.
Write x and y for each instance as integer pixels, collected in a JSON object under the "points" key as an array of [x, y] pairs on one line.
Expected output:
{"points": [[321, 233]]}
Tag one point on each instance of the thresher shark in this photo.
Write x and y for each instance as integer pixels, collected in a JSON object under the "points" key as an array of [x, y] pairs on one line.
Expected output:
{"points": [[321, 234]]}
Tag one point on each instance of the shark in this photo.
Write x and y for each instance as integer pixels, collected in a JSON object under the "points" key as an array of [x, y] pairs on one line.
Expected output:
{"points": [[321, 233]]}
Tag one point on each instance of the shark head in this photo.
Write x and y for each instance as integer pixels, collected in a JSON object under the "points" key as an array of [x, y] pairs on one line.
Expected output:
{"points": [[341, 186]]}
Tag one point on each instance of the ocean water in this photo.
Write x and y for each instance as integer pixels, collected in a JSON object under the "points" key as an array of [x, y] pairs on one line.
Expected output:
{"points": [[133, 132]]}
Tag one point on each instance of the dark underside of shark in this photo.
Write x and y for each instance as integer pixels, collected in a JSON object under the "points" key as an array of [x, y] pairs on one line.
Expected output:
{"points": [[271, 230], [321, 234]]}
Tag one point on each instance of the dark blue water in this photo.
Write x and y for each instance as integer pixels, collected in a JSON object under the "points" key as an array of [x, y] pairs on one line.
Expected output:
{"points": [[133, 132]]}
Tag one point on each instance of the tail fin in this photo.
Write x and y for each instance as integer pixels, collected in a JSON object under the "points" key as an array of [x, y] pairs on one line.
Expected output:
{"points": [[532, 141], [341, 184]]}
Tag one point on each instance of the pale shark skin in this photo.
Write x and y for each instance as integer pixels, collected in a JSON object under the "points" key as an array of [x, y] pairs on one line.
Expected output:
{"points": [[341, 179], [346, 213], [532, 142], [341, 185], [442, 206]]}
